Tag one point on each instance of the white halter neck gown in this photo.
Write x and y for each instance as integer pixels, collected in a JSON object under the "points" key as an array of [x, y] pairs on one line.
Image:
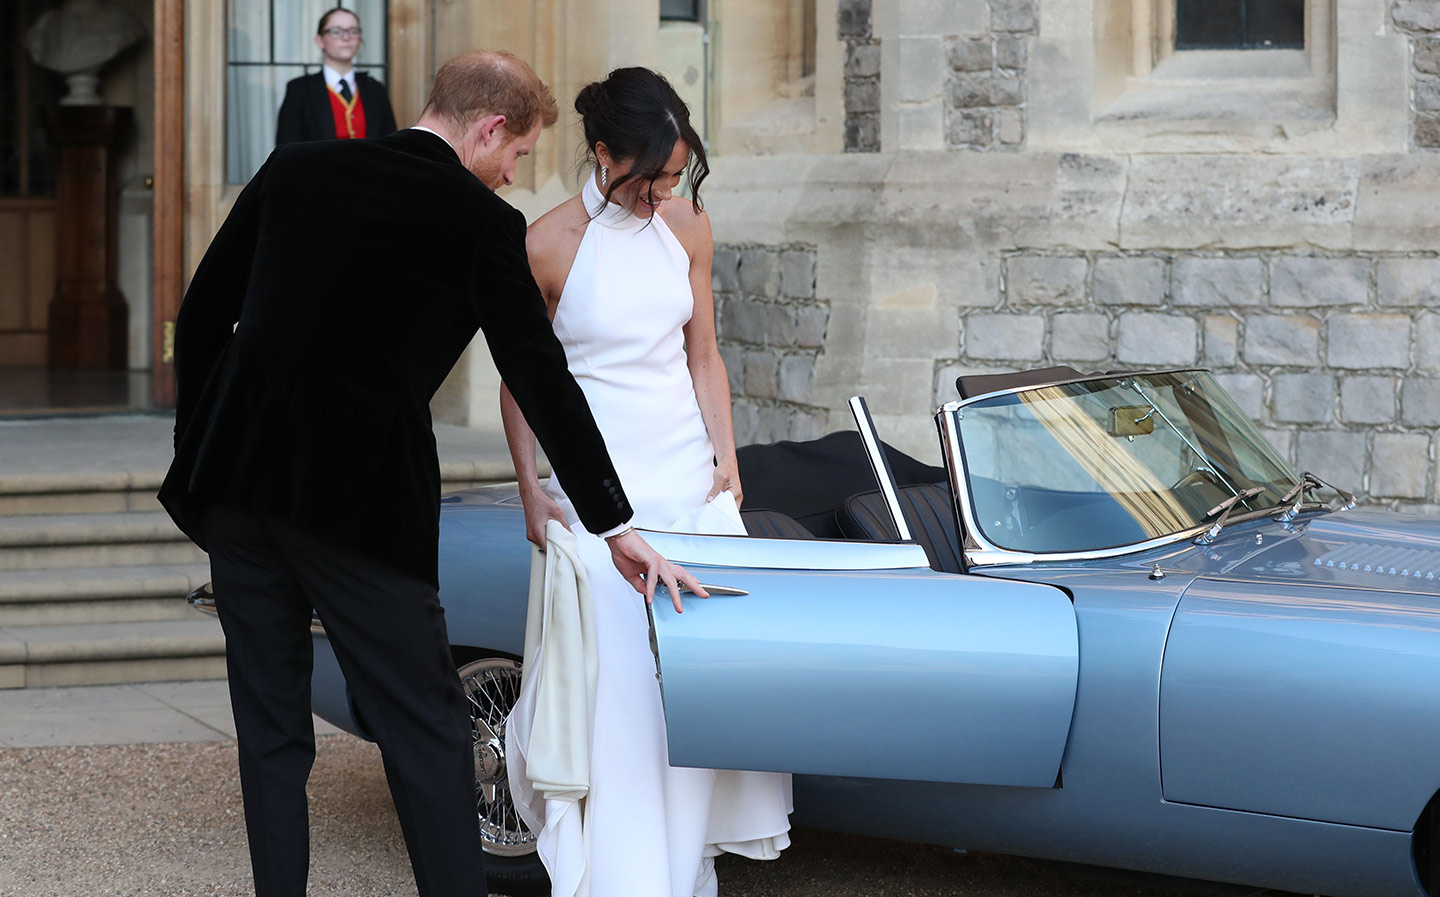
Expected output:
{"points": [[646, 829]]}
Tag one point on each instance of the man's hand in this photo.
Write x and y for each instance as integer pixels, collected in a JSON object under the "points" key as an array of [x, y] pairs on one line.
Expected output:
{"points": [[540, 509], [643, 567]]}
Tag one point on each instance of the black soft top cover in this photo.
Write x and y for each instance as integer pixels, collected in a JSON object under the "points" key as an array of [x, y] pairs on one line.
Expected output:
{"points": [[810, 481]]}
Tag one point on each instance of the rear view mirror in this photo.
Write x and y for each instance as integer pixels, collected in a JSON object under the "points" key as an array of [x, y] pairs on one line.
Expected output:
{"points": [[1131, 420]]}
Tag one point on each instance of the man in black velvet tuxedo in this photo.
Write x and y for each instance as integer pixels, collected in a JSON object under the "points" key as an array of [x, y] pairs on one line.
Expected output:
{"points": [[343, 286]]}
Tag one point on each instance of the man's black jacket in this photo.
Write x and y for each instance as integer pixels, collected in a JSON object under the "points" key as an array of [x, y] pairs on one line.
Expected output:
{"points": [[305, 113], [358, 271]]}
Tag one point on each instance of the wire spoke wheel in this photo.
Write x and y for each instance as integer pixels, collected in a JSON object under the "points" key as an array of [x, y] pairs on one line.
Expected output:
{"points": [[492, 686]]}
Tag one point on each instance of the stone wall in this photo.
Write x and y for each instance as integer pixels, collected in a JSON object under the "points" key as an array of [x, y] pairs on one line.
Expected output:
{"points": [[862, 76], [771, 328], [985, 81], [1336, 356], [1420, 20]]}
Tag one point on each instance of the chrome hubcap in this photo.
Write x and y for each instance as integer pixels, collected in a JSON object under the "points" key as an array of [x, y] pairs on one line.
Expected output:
{"points": [[491, 687]]}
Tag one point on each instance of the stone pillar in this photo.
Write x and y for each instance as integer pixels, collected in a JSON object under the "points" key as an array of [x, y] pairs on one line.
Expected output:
{"points": [[88, 316]]}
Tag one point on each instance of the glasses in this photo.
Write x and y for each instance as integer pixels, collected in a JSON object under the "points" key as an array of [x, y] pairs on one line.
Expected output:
{"points": [[341, 32]]}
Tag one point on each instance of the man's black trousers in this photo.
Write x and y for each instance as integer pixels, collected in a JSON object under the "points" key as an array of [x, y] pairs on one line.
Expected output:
{"points": [[388, 632]]}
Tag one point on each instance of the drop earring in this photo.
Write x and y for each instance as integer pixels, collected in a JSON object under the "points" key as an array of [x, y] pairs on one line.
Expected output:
{"points": [[604, 176]]}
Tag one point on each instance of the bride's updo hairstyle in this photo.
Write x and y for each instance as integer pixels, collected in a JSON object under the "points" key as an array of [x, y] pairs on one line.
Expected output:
{"points": [[639, 116]]}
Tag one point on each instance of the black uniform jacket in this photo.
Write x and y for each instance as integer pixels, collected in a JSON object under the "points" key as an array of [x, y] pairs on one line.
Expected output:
{"points": [[305, 113], [358, 271]]}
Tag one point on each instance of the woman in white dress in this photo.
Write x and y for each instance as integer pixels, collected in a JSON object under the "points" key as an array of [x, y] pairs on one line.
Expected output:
{"points": [[625, 271]]}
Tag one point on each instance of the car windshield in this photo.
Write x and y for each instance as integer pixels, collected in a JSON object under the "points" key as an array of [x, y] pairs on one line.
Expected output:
{"points": [[1113, 461]]}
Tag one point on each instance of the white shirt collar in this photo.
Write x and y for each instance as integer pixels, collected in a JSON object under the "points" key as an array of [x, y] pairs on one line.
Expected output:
{"points": [[436, 133], [333, 79]]}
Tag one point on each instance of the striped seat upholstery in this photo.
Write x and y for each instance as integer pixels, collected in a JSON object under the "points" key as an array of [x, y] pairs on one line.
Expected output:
{"points": [[928, 511]]}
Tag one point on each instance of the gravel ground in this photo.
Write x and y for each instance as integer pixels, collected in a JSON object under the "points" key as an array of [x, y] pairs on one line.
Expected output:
{"points": [[165, 820]]}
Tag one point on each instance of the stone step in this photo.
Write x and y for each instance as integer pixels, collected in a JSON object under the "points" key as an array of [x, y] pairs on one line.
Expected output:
{"points": [[79, 493], [98, 594], [135, 538], [105, 653]]}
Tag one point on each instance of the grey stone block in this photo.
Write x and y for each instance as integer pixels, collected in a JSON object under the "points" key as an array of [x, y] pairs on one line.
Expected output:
{"points": [[1007, 90], [806, 425], [774, 422], [1427, 342], [862, 133], [1217, 282], [1283, 442], [1420, 402], [1011, 51], [852, 18], [725, 271], [1302, 398], [1012, 15], [969, 90], [1282, 339], [1368, 341], [1045, 280], [1007, 337], [862, 95], [1159, 339], [964, 127], [1367, 400], [1427, 130], [1408, 281], [1011, 126], [810, 322], [1079, 337], [1427, 93], [797, 274], [759, 272], [1416, 15], [745, 321], [1400, 465], [762, 370], [733, 358], [796, 374], [1304, 281], [1333, 455], [971, 54], [1129, 281], [1248, 391], [781, 331], [1427, 55], [746, 420], [1221, 340], [863, 61]]}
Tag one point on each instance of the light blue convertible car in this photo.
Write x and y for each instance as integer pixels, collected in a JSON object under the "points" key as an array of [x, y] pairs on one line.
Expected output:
{"points": [[1116, 628]]}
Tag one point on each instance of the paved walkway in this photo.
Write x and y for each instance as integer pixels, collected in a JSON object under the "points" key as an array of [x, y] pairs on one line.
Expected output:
{"points": [[142, 713]]}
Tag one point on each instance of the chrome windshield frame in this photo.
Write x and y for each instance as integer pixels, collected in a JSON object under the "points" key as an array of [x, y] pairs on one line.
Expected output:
{"points": [[978, 550]]}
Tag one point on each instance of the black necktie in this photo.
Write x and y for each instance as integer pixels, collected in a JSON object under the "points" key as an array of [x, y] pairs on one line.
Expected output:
{"points": [[345, 90]]}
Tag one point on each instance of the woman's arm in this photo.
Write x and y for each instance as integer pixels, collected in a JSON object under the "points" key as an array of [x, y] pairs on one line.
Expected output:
{"points": [[539, 506], [707, 368]]}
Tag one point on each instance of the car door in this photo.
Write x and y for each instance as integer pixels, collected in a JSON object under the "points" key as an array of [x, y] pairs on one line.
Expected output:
{"points": [[856, 659]]}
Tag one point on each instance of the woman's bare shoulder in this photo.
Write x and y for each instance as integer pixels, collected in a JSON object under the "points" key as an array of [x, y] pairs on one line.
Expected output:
{"points": [[689, 224], [557, 226]]}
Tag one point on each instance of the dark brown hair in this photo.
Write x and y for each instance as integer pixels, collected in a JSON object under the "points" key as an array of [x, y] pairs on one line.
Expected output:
{"points": [[639, 116], [320, 29], [492, 82]]}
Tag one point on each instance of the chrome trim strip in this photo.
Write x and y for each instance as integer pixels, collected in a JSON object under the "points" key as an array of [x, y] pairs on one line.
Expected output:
{"points": [[1116, 375], [785, 554], [203, 600], [880, 465]]}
